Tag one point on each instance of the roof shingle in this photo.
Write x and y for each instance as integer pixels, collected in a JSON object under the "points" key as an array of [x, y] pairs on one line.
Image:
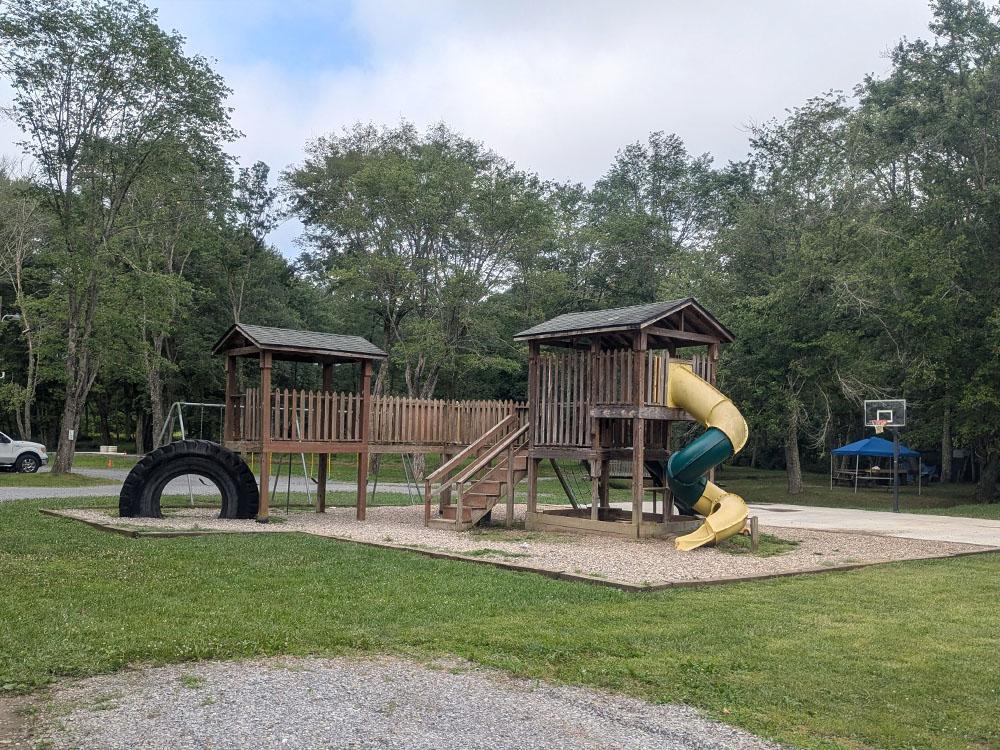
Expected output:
{"points": [[618, 317], [284, 338]]}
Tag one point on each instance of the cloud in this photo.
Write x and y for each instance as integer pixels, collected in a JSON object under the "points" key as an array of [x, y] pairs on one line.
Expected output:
{"points": [[558, 87]]}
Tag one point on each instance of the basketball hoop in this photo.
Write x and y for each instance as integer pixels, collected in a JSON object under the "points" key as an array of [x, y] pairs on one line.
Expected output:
{"points": [[879, 425]]}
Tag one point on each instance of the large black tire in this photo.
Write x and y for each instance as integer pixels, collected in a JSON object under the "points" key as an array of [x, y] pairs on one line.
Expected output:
{"points": [[140, 495]]}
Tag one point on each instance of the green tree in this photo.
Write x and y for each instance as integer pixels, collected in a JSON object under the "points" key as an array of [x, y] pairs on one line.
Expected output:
{"points": [[418, 230], [100, 90]]}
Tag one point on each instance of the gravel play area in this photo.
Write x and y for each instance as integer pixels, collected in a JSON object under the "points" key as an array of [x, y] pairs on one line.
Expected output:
{"points": [[650, 562], [315, 704]]}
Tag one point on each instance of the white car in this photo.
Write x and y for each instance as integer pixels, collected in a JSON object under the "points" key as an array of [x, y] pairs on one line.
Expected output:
{"points": [[22, 455]]}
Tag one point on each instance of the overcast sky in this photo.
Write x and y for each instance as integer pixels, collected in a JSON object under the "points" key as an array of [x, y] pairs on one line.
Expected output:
{"points": [[557, 87]]}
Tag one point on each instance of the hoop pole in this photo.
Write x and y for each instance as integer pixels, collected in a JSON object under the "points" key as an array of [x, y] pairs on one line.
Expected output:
{"points": [[895, 471]]}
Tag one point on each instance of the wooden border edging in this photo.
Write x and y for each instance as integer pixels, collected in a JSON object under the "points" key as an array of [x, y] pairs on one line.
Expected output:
{"points": [[561, 575]]}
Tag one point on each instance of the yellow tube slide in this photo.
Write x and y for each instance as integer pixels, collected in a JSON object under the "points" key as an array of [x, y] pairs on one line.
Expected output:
{"points": [[725, 513]]}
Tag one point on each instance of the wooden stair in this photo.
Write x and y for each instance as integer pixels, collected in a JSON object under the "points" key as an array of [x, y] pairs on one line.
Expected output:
{"points": [[468, 493], [479, 499]]}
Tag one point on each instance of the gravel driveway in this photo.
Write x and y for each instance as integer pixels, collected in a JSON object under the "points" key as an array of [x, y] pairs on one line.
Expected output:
{"points": [[314, 704]]}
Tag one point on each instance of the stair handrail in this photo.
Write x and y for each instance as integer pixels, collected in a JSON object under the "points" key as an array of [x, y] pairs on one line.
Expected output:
{"points": [[457, 460], [484, 461], [474, 446]]}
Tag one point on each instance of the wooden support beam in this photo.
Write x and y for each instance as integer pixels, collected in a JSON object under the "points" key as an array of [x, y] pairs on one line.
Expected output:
{"points": [[681, 335], [230, 422], [713, 358], [596, 467], [646, 412], [639, 342], [366, 399], [533, 484], [324, 458], [265, 437], [509, 519], [533, 399], [243, 351]]}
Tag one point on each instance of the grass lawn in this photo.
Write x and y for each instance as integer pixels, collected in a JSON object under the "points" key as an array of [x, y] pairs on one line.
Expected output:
{"points": [[764, 486], [898, 656], [973, 510], [769, 545], [46, 479], [97, 461]]}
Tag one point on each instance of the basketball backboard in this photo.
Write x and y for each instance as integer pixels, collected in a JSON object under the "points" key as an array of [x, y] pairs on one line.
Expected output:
{"points": [[890, 410]]}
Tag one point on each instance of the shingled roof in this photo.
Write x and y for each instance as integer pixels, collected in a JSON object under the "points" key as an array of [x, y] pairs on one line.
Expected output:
{"points": [[288, 343], [620, 319]]}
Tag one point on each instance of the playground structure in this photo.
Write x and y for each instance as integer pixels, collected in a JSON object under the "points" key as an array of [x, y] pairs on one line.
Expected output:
{"points": [[605, 387], [608, 386]]}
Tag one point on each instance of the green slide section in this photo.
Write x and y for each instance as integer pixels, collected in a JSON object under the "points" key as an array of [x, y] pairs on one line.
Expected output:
{"points": [[687, 467]]}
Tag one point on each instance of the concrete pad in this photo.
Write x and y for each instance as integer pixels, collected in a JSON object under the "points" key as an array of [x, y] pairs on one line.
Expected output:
{"points": [[904, 525], [930, 528]]}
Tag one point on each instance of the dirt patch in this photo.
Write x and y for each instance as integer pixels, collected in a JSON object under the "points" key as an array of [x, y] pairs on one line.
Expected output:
{"points": [[17, 720]]}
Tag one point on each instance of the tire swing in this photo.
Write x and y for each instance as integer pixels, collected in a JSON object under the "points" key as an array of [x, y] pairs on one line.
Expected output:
{"points": [[140, 495]]}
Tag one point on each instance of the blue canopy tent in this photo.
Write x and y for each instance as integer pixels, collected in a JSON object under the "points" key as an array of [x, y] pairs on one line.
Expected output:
{"points": [[873, 447]]}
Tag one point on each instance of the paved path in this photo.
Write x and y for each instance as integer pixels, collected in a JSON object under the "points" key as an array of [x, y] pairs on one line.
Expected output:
{"points": [[906, 525], [179, 486]]}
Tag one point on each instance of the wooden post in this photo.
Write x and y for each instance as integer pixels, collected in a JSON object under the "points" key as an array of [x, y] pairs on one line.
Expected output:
{"points": [[533, 396], [533, 484], [754, 534], [713, 357], [231, 427], [597, 464], [668, 496], [324, 458], [605, 483], [638, 428], [510, 486], [366, 405], [265, 437]]}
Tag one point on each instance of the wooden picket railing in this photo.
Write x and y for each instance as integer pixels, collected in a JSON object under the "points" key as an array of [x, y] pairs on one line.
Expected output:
{"points": [[562, 415], [564, 396], [326, 416], [402, 420]]}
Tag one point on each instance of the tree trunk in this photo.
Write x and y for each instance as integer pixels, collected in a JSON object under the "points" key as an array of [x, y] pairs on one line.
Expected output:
{"points": [[989, 475], [81, 372], [793, 466], [69, 424], [946, 445], [154, 387], [104, 419], [140, 432]]}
